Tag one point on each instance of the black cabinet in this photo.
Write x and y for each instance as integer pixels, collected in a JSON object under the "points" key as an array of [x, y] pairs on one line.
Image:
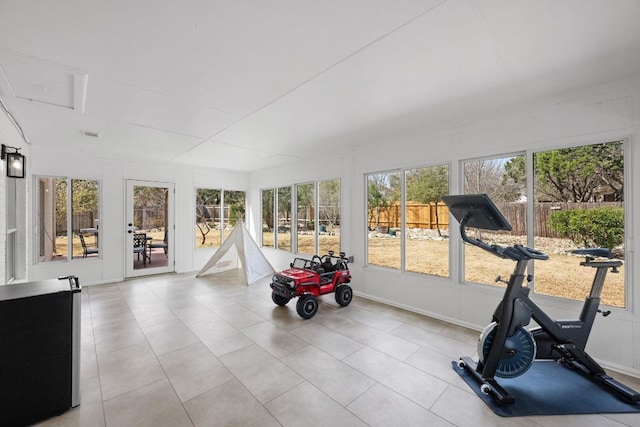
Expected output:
{"points": [[39, 350]]}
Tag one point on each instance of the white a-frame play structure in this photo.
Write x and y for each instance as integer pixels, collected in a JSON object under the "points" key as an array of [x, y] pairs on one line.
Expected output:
{"points": [[239, 245]]}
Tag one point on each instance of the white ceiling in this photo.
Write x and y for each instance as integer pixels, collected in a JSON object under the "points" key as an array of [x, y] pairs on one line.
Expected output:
{"points": [[244, 85]]}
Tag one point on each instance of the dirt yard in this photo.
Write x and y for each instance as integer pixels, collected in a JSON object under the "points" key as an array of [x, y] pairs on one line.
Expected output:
{"points": [[560, 275]]}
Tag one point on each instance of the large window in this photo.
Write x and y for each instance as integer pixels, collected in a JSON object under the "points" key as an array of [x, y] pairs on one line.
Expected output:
{"points": [[276, 218], [426, 220], [217, 211], [234, 209], [68, 218], [507, 189], [407, 223], [268, 217], [305, 211], [576, 200], [208, 218], [329, 216], [322, 234], [384, 219], [283, 231], [306, 221]]}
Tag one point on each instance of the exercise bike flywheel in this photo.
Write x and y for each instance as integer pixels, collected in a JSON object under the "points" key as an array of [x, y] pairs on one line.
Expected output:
{"points": [[518, 353]]}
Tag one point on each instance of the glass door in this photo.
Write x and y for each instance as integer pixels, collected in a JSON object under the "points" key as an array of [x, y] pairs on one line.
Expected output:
{"points": [[149, 228]]}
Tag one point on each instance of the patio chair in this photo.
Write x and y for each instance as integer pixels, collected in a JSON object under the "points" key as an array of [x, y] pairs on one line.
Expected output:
{"points": [[88, 249], [163, 244], [140, 246]]}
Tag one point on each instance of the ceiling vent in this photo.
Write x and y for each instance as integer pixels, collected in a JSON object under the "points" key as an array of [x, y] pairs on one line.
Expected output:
{"points": [[90, 134]]}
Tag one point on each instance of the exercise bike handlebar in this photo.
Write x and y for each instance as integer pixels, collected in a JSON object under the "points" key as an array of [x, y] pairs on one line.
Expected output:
{"points": [[532, 253], [515, 252]]}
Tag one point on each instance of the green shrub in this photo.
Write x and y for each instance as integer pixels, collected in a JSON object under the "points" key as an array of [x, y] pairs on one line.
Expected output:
{"points": [[596, 227]]}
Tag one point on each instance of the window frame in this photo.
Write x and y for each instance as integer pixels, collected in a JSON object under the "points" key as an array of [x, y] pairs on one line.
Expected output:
{"points": [[277, 207], [273, 216], [398, 171], [405, 255], [294, 214], [37, 205], [402, 172], [319, 207], [529, 154], [223, 217], [195, 200], [314, 220], [463, 248]]}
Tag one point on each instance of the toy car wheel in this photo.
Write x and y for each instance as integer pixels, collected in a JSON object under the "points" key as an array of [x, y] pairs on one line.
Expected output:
{"points": [[307, 306], [279, 299], [344, 294]]}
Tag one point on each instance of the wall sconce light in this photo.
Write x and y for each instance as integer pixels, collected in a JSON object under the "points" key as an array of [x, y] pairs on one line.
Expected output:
{"points": [[15, 161]]}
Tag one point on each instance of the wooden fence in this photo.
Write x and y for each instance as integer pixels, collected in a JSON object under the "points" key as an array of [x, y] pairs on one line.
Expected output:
{"points": [[424, 216], [418, 216]]}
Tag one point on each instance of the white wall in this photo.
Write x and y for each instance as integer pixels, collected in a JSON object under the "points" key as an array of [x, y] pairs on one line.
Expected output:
{"points": [[112, 175], [596, 114]]}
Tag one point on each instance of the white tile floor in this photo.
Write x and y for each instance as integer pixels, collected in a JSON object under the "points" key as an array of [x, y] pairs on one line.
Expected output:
{"points": [[175, 350]]}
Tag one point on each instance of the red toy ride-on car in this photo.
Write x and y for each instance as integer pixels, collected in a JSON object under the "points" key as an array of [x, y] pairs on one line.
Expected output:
{"points": [[308, 279]]}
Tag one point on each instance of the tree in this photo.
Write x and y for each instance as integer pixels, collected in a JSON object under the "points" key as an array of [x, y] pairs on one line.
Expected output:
{"points": [[428, 185], [84, 199], [577, 174], [144, 196], [284, 204], [611, 168], [492, 177], [204, 198], [268, 201], [304, 193], [84, 196], [580, 174], [376, 202], [150, 199], [305, 200], [329, 209], [393, 194], [515, 171], [235, 201], [61, 204]]}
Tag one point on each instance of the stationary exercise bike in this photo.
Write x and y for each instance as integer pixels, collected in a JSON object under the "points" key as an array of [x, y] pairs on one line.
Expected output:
{"points": [[505, 348]]}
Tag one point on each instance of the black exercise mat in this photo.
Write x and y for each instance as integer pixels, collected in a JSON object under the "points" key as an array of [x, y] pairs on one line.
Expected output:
{"points": [[549, 388]]}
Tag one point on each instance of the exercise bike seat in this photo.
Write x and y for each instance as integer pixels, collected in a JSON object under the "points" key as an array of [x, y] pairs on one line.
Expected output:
{"points": [[594, 252]]}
